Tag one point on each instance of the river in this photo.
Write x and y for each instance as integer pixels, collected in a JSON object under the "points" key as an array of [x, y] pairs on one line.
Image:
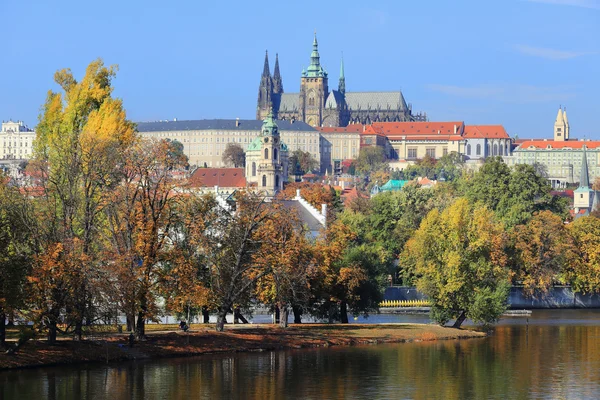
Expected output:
{"points": [[552, 355]]}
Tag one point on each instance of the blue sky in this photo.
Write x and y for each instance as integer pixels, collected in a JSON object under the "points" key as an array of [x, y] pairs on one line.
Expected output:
{"points": [[510, 62]]}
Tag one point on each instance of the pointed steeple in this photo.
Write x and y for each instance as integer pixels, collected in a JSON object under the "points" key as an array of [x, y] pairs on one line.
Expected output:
{"points": [[342, 81], [266, 69], [559, 116], [277, 81], [315, 69], [567, 127], [584, 180], [561, 132]]}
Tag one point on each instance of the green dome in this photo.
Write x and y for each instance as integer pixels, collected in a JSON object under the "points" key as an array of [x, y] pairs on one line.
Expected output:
{"points": [[255, 145]]}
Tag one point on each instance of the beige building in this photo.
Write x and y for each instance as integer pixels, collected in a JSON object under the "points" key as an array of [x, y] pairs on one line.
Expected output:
{"points": [[16, 141], [339, 144], [205, 140]]}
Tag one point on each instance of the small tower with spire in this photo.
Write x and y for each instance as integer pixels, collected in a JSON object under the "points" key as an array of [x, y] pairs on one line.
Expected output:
{"points": [[313, 89], [342, 81], [584, 198], [265, 91], [561, 126]]}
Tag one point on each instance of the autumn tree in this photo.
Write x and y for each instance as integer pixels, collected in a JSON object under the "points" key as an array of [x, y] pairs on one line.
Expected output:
{"points": [[81, 137], [141, 215], [316, 194], [458, 260], [230, 249], [287, 254], [583, 273], [302, 161], [544, 251], [234, 155]]}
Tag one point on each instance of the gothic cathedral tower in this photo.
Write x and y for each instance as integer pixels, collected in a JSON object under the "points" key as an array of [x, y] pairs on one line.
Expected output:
{"points": [[265, 91], [313, 89], [267, 159]]}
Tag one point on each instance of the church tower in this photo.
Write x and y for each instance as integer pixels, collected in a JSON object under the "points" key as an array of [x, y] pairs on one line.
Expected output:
{"points": [[267, 159], [277, 81], [584, 198], [313, 89], [342, 81], [561, 126], [265, 91]]}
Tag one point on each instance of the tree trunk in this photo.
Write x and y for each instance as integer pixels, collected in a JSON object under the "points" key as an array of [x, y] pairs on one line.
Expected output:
{"points": [[283, 320], [331, 312], [130, 323], [2, 330], [140, 329], [52, 332], [276, 315], [238, 315], [221, 316], [78, 334], [297, 314], [461, 318], [344, 312], [205, 315]]}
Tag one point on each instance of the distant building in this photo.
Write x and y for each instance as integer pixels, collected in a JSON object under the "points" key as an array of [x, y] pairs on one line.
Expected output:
{"points": [[317, 105], [16, 141], [560, 159], [205, 140], [220, 181]]}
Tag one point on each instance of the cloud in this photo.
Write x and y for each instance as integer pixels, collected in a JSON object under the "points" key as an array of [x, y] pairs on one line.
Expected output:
{"points": [[509, 93], [593, 4], [550, 54]]}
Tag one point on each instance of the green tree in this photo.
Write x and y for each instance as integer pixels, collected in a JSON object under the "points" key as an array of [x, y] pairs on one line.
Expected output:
{"points": [[458, 259], [371, 159], [583, 273], [303, 161], [234, 155], [16, 251]]}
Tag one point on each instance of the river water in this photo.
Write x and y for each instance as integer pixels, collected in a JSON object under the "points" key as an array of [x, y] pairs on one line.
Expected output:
{"points": [[551, 355]]}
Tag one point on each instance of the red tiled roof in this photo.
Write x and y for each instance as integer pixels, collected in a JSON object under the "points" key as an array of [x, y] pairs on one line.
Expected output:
{"points": [[485, 131], [352, 128], [545, 144], [419, 128], [222, 177]]}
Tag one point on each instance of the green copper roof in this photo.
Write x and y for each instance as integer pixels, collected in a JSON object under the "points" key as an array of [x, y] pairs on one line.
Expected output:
{"points": [[314, 69], [393, 185], [255, 145], [584, 180], [269, 127]]}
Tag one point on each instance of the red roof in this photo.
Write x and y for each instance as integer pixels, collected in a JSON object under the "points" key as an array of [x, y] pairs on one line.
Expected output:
{"points": [[352, 128], [222, 177], [485, 131], [552, 144], [419, 128]]}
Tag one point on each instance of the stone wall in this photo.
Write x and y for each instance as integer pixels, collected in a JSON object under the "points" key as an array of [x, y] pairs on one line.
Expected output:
{"points": [[557, 297]]}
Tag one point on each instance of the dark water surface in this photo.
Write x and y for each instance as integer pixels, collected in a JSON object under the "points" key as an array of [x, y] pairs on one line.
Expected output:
{"points": [[555, 356]]}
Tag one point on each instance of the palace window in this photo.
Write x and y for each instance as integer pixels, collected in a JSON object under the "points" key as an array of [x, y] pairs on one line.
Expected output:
{"points": [[264, 180], [430, 152], [412, 153]]}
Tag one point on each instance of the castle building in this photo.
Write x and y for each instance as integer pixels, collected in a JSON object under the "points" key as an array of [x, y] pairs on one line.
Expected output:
{"points": [[559, 158], [16, 141], [317, 105], [267, 159]]}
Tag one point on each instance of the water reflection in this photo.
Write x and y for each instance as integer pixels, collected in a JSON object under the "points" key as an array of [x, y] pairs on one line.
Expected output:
{"points": [[542, 359]]}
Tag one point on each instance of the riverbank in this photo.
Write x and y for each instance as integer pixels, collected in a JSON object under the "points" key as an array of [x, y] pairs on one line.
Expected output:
{"points": [[202, 339]]}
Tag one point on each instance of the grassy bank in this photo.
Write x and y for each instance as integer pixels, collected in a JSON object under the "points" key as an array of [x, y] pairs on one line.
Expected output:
{"points": [[202, 339]]}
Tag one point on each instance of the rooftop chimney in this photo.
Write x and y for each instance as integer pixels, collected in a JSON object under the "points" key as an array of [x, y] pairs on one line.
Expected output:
{"points": [[455, 128], [237, 122]]}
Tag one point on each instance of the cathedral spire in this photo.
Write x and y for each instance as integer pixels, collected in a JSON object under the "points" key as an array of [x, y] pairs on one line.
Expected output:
{"points": [[277, 81], [584, 180], [315, 69], [266, 69], [342, 82]]}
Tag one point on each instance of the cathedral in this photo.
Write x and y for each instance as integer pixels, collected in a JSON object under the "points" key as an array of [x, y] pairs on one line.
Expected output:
{"points": [[317, 105]]}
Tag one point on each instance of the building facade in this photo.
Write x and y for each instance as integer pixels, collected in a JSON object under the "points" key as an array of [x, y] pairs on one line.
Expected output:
{"points": [[205, 140], [560, 160], [16, 141], [318, 105]]}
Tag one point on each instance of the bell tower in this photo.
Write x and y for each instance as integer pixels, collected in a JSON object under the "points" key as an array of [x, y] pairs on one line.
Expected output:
{"points": [[313, 89], [561, 126]]}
